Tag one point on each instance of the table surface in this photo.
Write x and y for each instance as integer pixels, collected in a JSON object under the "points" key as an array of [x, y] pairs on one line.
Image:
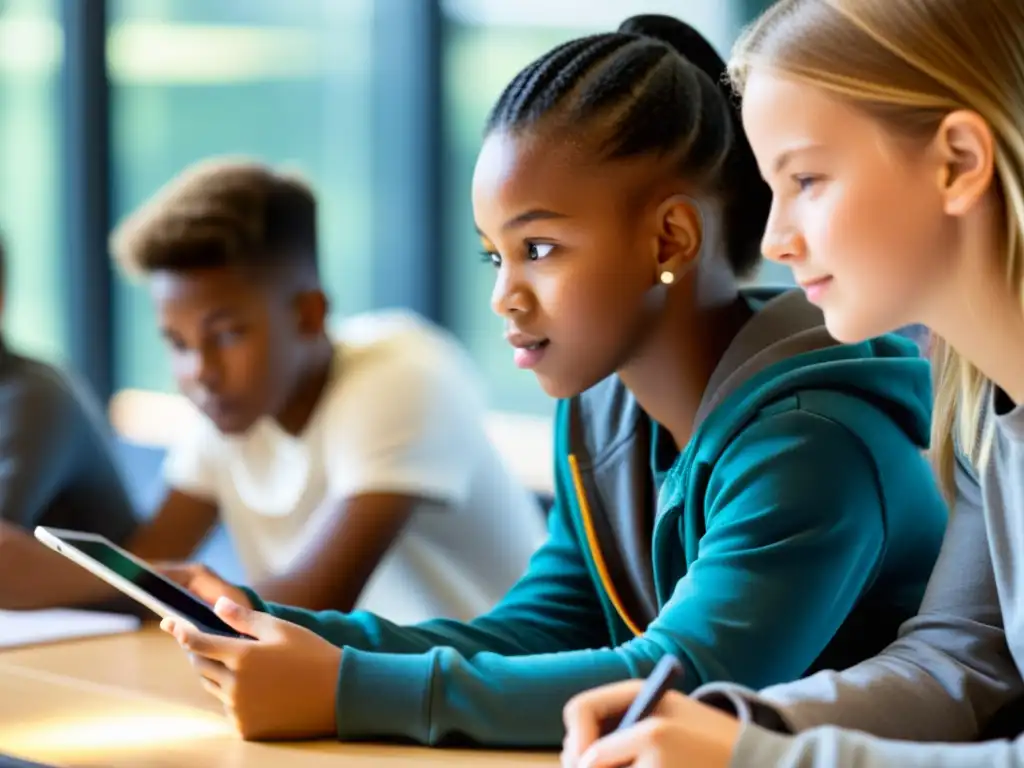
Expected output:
{"points": [[134, 700]]}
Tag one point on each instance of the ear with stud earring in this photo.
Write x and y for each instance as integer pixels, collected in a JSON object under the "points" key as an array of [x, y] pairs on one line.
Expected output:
{"points": [[667, 278]]}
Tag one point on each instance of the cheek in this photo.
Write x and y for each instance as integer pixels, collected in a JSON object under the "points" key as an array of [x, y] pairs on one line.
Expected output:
{"points": [[247, 365], [880, 243], [869, 233]]}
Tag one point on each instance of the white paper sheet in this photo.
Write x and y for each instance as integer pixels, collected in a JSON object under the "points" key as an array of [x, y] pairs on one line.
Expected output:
{"points": [[33, 627]]}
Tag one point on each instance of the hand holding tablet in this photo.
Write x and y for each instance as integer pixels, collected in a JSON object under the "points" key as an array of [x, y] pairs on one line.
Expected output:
{"points": [[133, 577]]}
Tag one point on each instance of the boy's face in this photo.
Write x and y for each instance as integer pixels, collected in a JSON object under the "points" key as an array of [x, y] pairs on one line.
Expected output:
{"points": [[234, 344]]}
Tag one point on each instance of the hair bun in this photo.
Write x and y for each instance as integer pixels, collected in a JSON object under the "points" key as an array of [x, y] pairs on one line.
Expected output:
{"points": [[686, 40]]}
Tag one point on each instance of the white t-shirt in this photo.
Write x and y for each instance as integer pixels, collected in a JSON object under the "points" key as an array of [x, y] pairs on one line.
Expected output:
{"points": [[403, 413]]}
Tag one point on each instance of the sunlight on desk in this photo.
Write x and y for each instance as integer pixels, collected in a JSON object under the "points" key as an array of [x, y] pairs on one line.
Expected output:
{"points": [[132, 701], [58, 739]]}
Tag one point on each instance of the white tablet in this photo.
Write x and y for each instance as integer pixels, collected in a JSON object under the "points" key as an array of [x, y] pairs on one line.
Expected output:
{"points": [[132, 576]]}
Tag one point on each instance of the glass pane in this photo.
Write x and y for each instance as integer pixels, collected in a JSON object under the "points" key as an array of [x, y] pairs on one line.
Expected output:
{"points": [[31, 46], [283, 82], [487, 42]]}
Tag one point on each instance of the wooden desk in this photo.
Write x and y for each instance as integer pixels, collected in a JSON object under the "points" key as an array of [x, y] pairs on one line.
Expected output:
{"points": [[134, 700]]}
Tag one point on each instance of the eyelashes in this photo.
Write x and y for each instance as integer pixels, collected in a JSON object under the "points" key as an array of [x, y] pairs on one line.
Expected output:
{"points": [[534, 252]]}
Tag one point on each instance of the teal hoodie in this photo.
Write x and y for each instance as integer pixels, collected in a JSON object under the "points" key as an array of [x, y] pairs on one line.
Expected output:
{"points": [[796, 530]]}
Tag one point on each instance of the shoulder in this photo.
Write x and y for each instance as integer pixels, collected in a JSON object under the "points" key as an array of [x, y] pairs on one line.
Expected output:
{"points": [[798, 460], [786, 436], [33, 390]]}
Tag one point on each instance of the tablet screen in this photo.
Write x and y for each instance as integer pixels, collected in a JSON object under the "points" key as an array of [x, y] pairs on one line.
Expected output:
{"points": [[167, 592]]}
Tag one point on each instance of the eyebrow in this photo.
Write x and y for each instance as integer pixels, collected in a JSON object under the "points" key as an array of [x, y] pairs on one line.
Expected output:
{"points": [[223, 313], [783, 160], [534, 214]]}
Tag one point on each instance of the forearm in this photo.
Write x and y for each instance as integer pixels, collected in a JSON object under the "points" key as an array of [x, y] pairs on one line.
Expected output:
{"points": [[894, 696], [32, 577], [310, 594], [488, 699], [553, 608], [827, 747], [911, 691], [496, 633], [942, 680]]}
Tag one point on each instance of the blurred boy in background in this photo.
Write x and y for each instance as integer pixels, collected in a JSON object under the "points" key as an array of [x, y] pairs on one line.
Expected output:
{"points": [[350, 469]]}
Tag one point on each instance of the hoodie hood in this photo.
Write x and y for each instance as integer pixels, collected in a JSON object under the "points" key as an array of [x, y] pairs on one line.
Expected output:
{"points": [[783, 352], [785, 348]]}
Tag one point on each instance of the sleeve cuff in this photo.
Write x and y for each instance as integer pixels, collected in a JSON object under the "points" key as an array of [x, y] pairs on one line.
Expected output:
{"points": [[746, 706], [384, 695]]}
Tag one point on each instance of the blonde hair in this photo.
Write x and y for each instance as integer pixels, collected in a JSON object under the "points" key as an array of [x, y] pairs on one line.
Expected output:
{"points": [[909, 64]]}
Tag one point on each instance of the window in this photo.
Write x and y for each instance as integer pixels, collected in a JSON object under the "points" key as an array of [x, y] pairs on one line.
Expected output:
{"points": [[31, 48], [487, 42], [283, 82]]}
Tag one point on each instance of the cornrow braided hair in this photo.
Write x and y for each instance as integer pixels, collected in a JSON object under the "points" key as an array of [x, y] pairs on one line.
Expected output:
{"points": [[655, 86]]}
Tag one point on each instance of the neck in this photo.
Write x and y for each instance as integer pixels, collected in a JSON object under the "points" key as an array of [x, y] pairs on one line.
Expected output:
{"points": [[670, 372], [982, 319], [296, 413]]}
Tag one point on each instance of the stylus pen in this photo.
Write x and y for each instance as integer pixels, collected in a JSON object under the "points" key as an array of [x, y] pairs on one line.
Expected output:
{"points": [[665, 673]]}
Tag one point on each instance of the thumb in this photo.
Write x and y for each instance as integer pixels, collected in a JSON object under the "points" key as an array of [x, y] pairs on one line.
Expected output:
{"points": [[240, 618]]}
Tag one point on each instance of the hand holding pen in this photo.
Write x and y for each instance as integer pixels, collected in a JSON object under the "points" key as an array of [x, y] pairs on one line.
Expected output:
{"points": [[646, 723]]}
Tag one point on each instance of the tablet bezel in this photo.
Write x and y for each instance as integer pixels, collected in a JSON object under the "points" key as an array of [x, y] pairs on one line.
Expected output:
{"points": [[62, 540]]}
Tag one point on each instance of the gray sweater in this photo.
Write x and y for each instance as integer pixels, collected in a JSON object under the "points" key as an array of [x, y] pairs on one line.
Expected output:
{"points": [[953, 666], [57, 465]]}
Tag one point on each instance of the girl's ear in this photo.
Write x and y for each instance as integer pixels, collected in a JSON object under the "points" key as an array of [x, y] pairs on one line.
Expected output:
{"points": [[680, 236], [966, 149]]}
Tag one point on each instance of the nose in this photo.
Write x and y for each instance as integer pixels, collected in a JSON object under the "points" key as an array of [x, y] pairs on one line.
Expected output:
{"points": [[782, 242], [512, 295]]}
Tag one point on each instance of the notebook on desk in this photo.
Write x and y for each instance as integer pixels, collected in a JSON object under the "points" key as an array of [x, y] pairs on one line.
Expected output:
{"points": [[12, 762], [20, 628]]}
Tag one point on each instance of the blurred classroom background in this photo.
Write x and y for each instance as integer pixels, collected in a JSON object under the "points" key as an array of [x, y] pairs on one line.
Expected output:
{"points": [[379, 102]]}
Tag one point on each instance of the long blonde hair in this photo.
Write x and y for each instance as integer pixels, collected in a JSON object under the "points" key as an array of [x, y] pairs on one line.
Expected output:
{"points": [[910, 63]]}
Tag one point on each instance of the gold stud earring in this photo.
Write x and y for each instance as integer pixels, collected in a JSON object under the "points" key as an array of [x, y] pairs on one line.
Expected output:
{"points": [[667, 277]]}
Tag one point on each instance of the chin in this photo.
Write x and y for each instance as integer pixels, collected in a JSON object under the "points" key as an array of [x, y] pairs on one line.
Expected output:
{"points": [[558, 388], [565, 387], [852, 328], [232, 424]]}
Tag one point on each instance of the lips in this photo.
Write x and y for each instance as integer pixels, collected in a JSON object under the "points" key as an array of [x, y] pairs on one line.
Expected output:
{"points": [[805, 284], [816, 288], [524, 341], [529, 350]]}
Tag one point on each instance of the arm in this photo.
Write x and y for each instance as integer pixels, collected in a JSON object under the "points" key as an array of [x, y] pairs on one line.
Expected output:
{"points": [[684, 732], [772, 583], [553, 608], [393, 445], [333, 570], [51, 443], [176, 530], [830, 746], [942, 680], [35, 464], [56, 581], [37, 445]]}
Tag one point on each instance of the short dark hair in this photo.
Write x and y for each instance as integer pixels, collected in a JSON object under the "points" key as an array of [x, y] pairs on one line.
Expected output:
{"points": [[656, 86], [218, 213]]}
